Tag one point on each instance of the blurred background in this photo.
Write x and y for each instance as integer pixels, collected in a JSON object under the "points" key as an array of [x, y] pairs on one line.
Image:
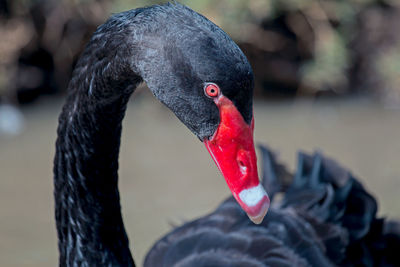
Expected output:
{"points": [[327, 77]]}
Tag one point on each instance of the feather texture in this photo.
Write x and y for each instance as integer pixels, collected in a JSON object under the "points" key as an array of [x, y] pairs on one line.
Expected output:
{"points": [[325, 218]]}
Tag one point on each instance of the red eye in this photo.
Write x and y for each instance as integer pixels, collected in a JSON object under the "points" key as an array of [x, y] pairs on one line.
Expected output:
{"points": [[211, 90]]}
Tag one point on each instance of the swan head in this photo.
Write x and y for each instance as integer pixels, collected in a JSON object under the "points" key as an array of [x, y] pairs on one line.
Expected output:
{"points": [[198, 72]]}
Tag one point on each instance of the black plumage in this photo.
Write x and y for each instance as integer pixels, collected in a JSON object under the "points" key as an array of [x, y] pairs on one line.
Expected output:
{"points": [[175, 51], [324, 218]]}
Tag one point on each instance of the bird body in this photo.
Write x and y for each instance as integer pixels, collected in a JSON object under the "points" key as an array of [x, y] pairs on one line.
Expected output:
{"points": [[324, 218], [199, 73]]}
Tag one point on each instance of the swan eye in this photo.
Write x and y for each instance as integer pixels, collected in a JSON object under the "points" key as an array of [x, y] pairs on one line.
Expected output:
{"points": [[211, 90]]}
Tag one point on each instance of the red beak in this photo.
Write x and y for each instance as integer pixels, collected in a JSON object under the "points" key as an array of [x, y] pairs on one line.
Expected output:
{"points": [[232, 148]]}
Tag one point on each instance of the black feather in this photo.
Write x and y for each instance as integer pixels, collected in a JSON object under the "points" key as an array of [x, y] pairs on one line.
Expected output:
{"points": [[325, 218]]}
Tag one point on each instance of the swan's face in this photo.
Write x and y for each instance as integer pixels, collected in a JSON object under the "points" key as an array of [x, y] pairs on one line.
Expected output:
{"points": [[204, 78]]}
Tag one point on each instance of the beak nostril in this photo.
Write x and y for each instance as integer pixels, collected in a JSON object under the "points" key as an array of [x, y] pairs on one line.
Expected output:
{"points": [[242, 165]]}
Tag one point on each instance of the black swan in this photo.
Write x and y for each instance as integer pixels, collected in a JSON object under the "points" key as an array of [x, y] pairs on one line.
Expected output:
{"points": [[198, 72], [192, 67]]}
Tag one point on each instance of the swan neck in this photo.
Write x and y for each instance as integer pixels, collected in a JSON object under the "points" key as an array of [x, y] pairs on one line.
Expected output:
{"points": [[87, 203]]}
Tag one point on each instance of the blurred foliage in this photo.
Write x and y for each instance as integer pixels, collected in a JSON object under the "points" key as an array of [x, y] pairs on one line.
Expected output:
{"points": [[296, 47], [319, 47], [40, 42]]}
